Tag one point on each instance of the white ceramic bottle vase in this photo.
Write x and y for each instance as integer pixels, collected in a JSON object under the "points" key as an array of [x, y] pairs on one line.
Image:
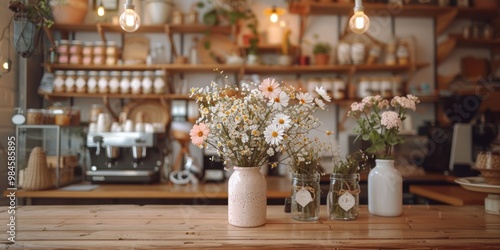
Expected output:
{"points": [[385, 189]]}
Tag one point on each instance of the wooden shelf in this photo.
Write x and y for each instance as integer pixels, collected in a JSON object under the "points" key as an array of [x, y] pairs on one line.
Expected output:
{"points": [[108, 27], [118, 96], [143, 67], [380, 9], [475, 42]]}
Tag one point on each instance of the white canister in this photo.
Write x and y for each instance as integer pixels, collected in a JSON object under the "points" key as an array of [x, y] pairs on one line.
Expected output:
{"points": [[125, 82], [159, 82], [344, 53], [114, 82], [92, 82], [102, 83], [358, 53], [69, 83], [136, 82], [147, 82], [338, 89], [363, 87], [375, 86], [385, 87], [58, 84], [81, 81]]}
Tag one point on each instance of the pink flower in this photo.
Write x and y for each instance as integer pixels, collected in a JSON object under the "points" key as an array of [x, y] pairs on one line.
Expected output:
{"points": [[357, 106], [270, 88], [390, 119], [199, 134]]}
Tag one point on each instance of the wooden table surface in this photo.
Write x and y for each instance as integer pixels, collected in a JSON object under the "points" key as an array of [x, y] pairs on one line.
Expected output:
{"points": [[197, 227], [449, 194]]}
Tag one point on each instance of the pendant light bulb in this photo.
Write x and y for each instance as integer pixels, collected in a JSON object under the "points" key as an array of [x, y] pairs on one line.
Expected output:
{"points": [[6, 65], [359, 22], [100, 10], [129, 19]]}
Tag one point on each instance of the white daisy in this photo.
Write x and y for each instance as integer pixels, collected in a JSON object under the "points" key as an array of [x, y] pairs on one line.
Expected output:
{"points": [[270, 88], [320, 103], [304, 98], [273, 134], [283, 121], [279, 102], [323, 94]]}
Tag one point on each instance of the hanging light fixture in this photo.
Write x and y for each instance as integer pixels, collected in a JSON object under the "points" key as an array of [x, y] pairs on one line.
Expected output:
{"points": [[129, 19], [274, 13], [359, 22], [6, 65], [100, 10]]}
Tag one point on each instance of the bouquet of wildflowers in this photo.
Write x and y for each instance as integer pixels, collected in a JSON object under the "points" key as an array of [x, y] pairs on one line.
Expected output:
{"points": [[380, 120], [248, 124]]}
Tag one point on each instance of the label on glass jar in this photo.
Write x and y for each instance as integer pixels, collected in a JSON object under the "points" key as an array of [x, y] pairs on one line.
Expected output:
{"points": [[303, 196], [347, 201]]}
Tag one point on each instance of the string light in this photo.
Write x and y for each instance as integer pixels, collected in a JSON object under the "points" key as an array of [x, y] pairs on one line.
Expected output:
{"points": [[129, 19]]}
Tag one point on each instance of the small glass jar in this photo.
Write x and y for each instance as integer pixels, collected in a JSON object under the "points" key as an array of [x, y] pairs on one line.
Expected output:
{"points": [[125, 82], [177, 17], [147, 82], [136, 82], [111, 53], [69, 83], [338, 89], [99, 59], [114, 82], [76, 47], [363, 87], [49, 117], [375, 86], [306, 197], [63, 58], [87, 59], [397, 86], [402, 54], [159, 82], [88, 48], [59, 79], [74, 116], [75, 59], [385, 87], [35, 117], [62, 116], [81, 81], [95, 110], [102, 83], [99, 48], [343, 197], [92, 82], [62, 46]]}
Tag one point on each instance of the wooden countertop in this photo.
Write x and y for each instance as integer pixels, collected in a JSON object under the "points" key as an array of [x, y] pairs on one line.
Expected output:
{"points": [[449, 194], [200, 227]]}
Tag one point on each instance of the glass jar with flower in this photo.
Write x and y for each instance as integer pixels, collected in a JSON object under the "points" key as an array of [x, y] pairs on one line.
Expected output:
{"points": [[305, 157], [343, 197], [379, 123], [246, 125]]}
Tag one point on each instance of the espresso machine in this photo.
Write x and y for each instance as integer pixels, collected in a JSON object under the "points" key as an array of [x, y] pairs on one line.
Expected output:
{"points": [[125, 157]]}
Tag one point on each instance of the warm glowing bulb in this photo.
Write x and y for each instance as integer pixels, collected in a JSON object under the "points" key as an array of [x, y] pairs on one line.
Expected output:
{"points": [[359, 22], [129, 20], [101, 11], [5, 65], [274, 17]]}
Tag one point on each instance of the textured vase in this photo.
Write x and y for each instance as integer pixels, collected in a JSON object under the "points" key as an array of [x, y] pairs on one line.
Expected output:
{"points": [[247, 197], [385, 189]]}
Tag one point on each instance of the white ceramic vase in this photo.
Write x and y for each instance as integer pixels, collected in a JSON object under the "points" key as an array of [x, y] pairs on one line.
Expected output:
{"points": [[385, 189], [247, 197]]}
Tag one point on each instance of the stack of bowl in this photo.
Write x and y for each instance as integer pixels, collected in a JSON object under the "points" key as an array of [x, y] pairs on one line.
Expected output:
{"points": [[489, 164]]}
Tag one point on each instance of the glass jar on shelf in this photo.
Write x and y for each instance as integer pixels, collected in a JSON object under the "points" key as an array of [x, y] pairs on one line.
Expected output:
{"points": [[111, 53], [102, 83], [35, 117], [63, 58], [125, 82], [147, 82], [69, 82], [397, 86], [62, 46], [92, 82], [136, 82], [58, 84], [114, 82], [363, 87], [74, 115], [386, 87], [81, 81], [75, 59], [99, 55], [375, 86], [88, 48], [75, 47], [402, 54], [159, 82]]}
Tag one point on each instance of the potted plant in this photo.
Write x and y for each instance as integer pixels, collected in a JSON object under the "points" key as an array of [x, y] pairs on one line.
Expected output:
{"points": [[30, 16], [321, 51]]}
